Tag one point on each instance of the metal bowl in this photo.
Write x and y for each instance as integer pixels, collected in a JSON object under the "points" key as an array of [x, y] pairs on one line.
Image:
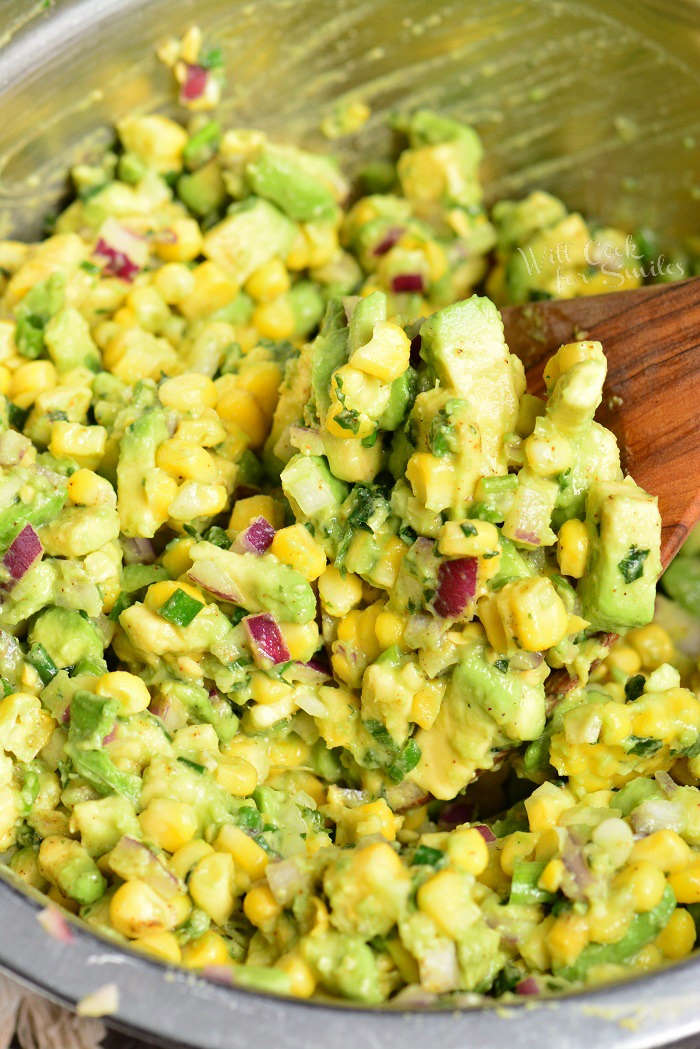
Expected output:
{"points": [[597, 101]]}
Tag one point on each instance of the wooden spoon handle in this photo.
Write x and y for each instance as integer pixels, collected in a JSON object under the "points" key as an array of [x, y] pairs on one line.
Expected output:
{"points": [[651, 401]]}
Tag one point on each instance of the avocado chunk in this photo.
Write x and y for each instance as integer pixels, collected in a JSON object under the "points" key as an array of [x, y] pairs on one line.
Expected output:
{"points": [[253, 232], [345, 965], [35, 311], [91, 719], [485, 709], [624, 531], [202, 191], [279, 175], [315, 496], [66, 636], [99, 770], [69, 343], [329, 352], [137, 456], [681, 581], [201, 706], [72, 868], [47, 502], [257, 583]]}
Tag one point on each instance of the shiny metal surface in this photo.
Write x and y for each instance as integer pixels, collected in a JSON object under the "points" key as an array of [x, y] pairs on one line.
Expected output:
{"points": [[598, 101]]}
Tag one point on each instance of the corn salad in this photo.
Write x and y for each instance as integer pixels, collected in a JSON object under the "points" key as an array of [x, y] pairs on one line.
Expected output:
{"points": [[328, 654]]}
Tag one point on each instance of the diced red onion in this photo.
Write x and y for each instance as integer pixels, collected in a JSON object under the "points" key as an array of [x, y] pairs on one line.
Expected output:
{"points": [[527, 986], [266, 641], [456, 586], [522, 660], [13, 447], [657, 814], [407, 282], [392, 236], [218, 974], [126, 253], [583, 729], [438, 967], [527, 537], [22, 552], [413, 996], [110, 737], [162, 708], [256, 538], [195, 83], [575, 863], [53, 922], [209, 575], [485, 832], [666, 782], [312, 672], [457, 812], [138, 551], [307, 699], [286, 880], [306, 440], [139, 858], [406, 795]]}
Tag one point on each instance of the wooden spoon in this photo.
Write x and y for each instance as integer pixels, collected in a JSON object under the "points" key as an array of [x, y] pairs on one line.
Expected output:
{"points": [[651, 401]]}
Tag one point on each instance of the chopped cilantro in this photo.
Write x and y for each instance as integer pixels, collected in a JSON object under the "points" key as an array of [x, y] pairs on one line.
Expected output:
{"points": [[632, 566]]}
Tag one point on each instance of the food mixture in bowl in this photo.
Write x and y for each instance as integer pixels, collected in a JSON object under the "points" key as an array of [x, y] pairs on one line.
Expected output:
{"points": [[328, 652]]}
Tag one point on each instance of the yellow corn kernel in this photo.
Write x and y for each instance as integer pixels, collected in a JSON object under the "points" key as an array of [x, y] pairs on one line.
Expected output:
{"points": [[206, 430], [446, 899], [5, 380], [129, 691], [31, 379], [432, 480], [302, 982], [186, 461], [677, 939], [520, 845], [643, 882], [246, 510], [263, 382], [339, 592], [187, 244], [386, 571], [386, 354], [686, 884], [547, 455], [606, 923], [468, 851], [267, 690], [176, 556], [426, 702], [169, 824], [551, 876], [246, 852], [539, 618], [375, 817], [567, 937], [240, 407], [302, 639], [545, 805], [269, 281], [85, 444], [322, 242], [260, 907], [158, 593], [162, 945], [664, 849], [572, 548], [624, 658], [188, 392], [295, 546], [174, 282], [237, 776], [195, 499], [652, 644], [275, 319], [299, 253], [86, 488], [389, 629], [187, 856], [467, 538], [213, 289], [567, 356], [208, 949], [159, 490], [135, 910], [212, 886]]}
